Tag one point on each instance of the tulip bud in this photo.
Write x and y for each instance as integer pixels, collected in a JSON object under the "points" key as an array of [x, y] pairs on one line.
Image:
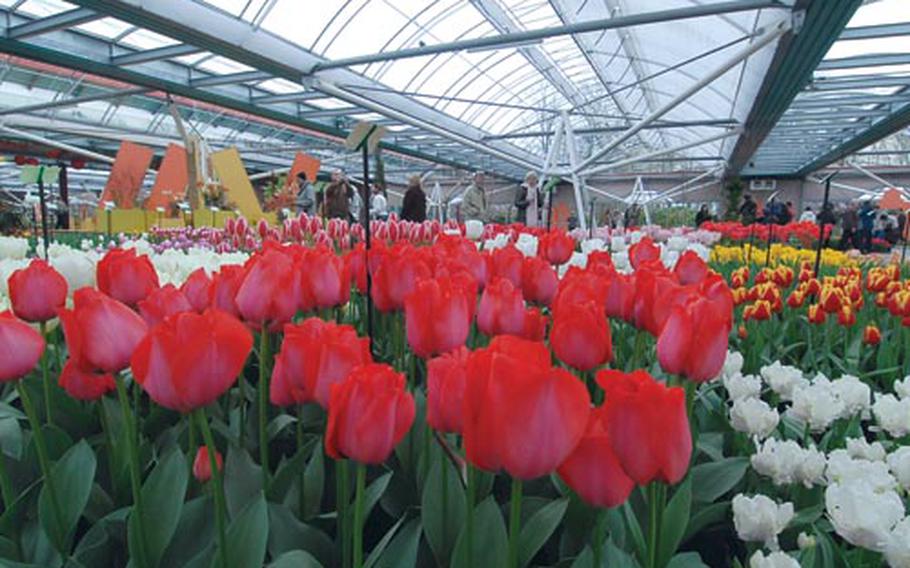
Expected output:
{"points": [[816, 314], [743, 334], [872, 335], [202, 465], [473, 229]]}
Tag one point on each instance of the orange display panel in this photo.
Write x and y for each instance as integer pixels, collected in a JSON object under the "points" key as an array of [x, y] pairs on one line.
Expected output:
{"points": [[129, 169], [306, 164], [170, 183]]}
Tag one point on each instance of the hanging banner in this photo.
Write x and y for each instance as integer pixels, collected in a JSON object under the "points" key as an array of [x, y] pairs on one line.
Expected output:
{"points": [[127, 173], [170, 183]]}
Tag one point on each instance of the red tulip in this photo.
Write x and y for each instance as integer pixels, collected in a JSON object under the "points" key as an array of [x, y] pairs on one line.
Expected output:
{"points": [[369, 413], [437, 317], [557, 247], [578, 287], [539, 281], [520, 413], [356, 263], [694, 339], [656, 292], [83, 384], [872, 335], [643, 251], [398, 272], [197, 290], [690, 268], [126, 277], [189, 360], [20, 347], [270, 290], [846, 316], [327, 278], [620, 296], [37, 292], [600, 260], [501, 310], [446, 380], [647, 426], [535, 328], [315, 355], [507, 262], [816, 314], [225, 284], [581, 336], [101, 333], [202, 464], [593, 471], [163, 302]]}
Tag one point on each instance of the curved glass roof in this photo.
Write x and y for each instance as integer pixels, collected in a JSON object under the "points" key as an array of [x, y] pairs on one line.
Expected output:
{"points": [[688, 85]]}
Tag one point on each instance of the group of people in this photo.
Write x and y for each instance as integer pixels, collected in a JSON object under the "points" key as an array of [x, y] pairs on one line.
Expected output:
{"points": [[341, 200], [859, 224]]}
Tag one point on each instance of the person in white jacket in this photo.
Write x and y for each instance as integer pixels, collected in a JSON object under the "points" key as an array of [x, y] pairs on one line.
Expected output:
{"points": [[808, 215]]}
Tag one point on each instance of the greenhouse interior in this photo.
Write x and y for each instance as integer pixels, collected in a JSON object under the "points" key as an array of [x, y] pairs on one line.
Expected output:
{"points": [[270, 268]]}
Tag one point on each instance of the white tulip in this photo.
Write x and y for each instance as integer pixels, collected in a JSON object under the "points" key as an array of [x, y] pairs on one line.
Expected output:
{"points": [[742, 386], [773, 560], [862, 516], [783, 379], [677, 244], [77, 268], [897, 549], [14, 248], [592, 245], [785, 462], [899, 464], [527, 244], [902, 388], [816, 405], [473, 229], [754, 417], [859, 448], [760, 519], [855, 394], [844, 469], [892, 415], [617, 244], [733, 364]]}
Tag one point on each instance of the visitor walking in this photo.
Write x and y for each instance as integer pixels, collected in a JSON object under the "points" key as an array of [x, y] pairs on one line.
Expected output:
{"points": [[474, 200], [808, 216], [849, 226], [527, 200], [335, 202], [414, 205], [379, 205], [702, 216], [866, 225], [748, 211], [305, 199]]}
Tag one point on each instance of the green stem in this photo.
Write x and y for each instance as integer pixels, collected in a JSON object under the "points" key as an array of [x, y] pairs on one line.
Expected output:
{"points": [[597, 538], [191, 442], [109, 440], [471, 490], [241, 403], [6, 486], [263, 405], [132, 437], [41, 448], [358, 515], [220, 506], [653, 523], [514, 522], [301, 501], [45, 377], [344, 498]]}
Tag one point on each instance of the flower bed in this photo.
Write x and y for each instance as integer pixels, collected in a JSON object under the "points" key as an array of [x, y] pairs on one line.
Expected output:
{"points": [[514, 398]]}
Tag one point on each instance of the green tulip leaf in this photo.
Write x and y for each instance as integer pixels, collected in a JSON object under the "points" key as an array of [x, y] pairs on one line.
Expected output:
{"points": [[194, 534], [373, 493], [616, 557], [248, 535], [162, 503], [491, 542], [537, 530], [295, 559], [289, 471], [242, 480], [674, 521], [402, 550], [287, 533], [442, 508], [711, 480], [686, 560], [72, 477], [707, 516], [314, 482]]}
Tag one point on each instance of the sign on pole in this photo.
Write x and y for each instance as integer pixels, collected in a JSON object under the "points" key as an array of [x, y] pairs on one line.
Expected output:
{"points": [[365, 133]]}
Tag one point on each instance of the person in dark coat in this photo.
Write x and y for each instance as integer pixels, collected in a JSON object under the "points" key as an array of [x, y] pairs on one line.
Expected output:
{"points": [[414, 205], [748, 211], [850, 225], [335, 203]]}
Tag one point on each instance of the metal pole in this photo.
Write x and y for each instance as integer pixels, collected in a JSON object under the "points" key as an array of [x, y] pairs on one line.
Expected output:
{"points": [[772, 34], [658, 153], [577, 181], [821, 222], [770, 238], [44, 228], [525, 37], [365, 220]]}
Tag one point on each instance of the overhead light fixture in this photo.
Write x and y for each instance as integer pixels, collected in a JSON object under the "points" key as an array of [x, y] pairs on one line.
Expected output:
{"points": [[517, 45]]}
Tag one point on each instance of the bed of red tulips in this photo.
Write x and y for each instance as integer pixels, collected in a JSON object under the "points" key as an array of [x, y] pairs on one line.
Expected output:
{"points": [[484, 413]]}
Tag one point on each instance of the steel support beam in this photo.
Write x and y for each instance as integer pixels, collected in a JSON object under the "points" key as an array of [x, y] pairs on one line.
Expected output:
{"points": [[56, 22], [525, 37], [803, 103], [577, 181], [230, 79], [655, 154], [867, 60], [73, 101], [157, 54], [288, 98], [724, 123], [760, 42], [874, 32], [860, 83]]}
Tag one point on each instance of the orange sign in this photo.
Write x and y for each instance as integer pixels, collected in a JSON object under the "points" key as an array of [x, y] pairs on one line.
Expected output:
{"points": [[306, 164], [893, 199], [170, 183], [127, 173]]}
